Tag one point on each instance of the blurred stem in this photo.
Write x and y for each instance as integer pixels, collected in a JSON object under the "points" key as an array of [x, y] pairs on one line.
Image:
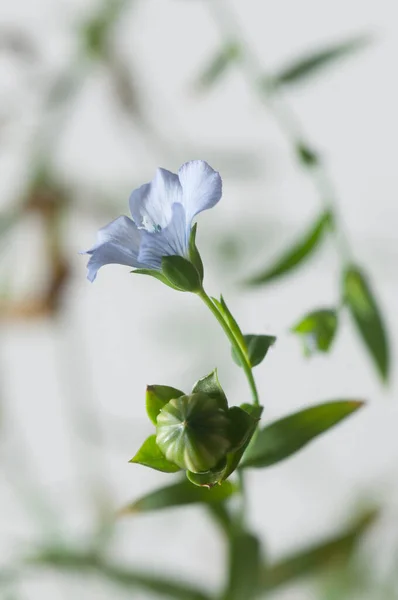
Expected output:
{"points": [[270, 96], [242, 489], [235, 344]]}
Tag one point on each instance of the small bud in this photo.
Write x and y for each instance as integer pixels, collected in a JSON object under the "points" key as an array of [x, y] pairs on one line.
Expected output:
{"points": [[193, 432]]}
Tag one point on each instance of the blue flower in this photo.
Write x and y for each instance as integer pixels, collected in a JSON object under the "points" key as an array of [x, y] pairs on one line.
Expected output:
{"points": [[162, 213]]}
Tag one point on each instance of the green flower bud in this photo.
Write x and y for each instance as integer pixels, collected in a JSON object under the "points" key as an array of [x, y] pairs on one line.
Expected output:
{"points": [[193, 432]]}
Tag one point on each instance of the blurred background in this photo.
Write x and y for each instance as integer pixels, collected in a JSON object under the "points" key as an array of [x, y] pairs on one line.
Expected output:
{"points": [[94, 96]]}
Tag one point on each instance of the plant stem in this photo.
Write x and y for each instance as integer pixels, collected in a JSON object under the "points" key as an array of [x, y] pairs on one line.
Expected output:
{"points": [[235, 344]]}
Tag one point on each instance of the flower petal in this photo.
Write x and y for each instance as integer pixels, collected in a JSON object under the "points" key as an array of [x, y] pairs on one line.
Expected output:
{"points": [[168, 242], [117, 243], [151, 204], [201, 187]]}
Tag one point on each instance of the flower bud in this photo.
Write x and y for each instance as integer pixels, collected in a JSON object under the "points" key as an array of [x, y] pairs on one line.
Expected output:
{"points": [[193, 432]]}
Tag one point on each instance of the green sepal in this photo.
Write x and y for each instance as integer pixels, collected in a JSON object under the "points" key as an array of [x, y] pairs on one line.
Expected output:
{"points": [[241, 426], [150, 455], [181, 273], [210, 386], [157, 396], [157, 275], [194, 255], [209, 479], [317, 330], [234, 458], [257, 348]]}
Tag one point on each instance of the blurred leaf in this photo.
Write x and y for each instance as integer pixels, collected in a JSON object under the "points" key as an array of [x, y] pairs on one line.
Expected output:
{"points": [[307, 155], [75, 561], [281, 439], [156, 398], [233, 325], [367, 316], [311, 561], [95, 32], [211, 386], [311, 63], [297, 254], [181, 273], [230, 53], [244, 567], [317, 330], [180, 494], [150, 455], [257, 347]]}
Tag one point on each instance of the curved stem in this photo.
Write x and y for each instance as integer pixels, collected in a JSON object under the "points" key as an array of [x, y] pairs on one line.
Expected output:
{"points": [[235, 344]]}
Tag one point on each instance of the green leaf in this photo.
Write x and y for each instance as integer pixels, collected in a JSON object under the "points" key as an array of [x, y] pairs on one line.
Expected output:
{"points": [[157, 275], [210, 386], [194, 255], [317, 558], [297, 254], [257, 348], [367, 317], [78, 562], [317, 330], [307, 155], [232, 324], [157, 396], [180, 494], [181, 273], [150, 455], [311, 63], [244, 567], [226, 56], [281, 439]]}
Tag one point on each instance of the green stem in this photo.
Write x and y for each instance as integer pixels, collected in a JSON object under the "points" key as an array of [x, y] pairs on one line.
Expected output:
{"points": [[235, 344]]}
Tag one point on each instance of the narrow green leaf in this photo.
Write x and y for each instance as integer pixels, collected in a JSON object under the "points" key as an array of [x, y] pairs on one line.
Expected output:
{"points": [[232, 323], [179, 494], [307, 155], [157, 396], [317, 330], [77, 561], [194, 255], [211, 386], [226, 56], [157, 275], [181, 273], [297, 254], [257, 348], [367, 317], [311, 63], [244, 567], [281, 439], [150, 455], [313, 560]]}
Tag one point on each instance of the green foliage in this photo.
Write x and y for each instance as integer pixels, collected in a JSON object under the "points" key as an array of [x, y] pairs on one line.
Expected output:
{"points": [[150, 455], [244, 567], [229, 54], [307, 155], [157, 396], [194, 255], [297, 254], [181, 273], [211, 386], [317, 558], [362, 304], [281, 439], [317, 330], [257, 348], [95, 33], [179, 494], [312, 63]]}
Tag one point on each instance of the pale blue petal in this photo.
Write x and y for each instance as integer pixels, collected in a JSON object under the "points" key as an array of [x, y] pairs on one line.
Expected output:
{"points": [[117, 243], [167, 242], [201, 187], [151, 204]]}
